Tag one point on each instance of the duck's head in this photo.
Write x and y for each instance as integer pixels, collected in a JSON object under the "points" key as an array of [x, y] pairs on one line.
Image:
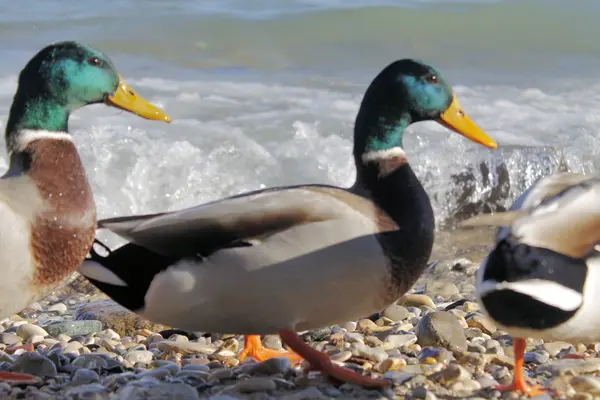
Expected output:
{"points": [[65, 76], [404, 92]]}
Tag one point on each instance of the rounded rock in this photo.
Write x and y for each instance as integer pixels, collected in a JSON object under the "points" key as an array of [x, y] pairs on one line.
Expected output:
{"points": [[26, 331], [441, 328]]}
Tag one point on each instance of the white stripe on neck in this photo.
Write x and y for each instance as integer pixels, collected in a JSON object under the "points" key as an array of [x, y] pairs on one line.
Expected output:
{"points": [[548, 292], [387, 154], [26, 136]]}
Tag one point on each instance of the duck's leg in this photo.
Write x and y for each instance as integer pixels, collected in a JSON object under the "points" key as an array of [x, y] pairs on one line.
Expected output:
{"points": [[15, 377], [321, 362], [518, 383], [253, 347]]}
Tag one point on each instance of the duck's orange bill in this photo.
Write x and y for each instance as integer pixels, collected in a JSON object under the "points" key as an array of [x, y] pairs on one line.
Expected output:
{"points": [[127, 99], [455, 118]]}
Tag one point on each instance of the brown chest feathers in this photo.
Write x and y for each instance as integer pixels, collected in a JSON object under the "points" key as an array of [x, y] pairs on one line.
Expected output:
{"points": [[61, 234]]}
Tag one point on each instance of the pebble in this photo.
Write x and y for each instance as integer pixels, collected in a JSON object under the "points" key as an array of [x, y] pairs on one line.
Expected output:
{"points": [[443, 289], [35, 364], [254, 385], [553, 348], [60, 308], [72, 328], [186, 347], [10, 338], [416, 300], [139, 356], [84, 376], [482, 322], [570, 366], [441, 328], [401, 340], [396, 313], [26, 331]]}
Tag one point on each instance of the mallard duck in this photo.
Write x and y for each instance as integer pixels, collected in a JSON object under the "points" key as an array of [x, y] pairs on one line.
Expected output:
{"points": [[540, 278], [298, 257], [46, 206]]}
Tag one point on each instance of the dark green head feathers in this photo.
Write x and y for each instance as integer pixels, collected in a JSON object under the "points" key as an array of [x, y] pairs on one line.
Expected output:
{"points": [[404, 92], [63, 77]]}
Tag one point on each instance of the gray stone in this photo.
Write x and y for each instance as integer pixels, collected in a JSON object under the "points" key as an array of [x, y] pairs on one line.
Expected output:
{"points": [[254, 385], [83, 376], [155, 390], [570, 367], [442, 289], [272, 342], [90, 361], [311, 393], [94, 391], [271, 366], [441, 329], [35, 364], [139, 356], [10, 338], [396, 313]]}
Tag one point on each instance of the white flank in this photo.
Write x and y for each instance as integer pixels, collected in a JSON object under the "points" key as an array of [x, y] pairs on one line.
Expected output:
{"points": [[94, 270], [394, 152], [26, 136], [548, 292]]}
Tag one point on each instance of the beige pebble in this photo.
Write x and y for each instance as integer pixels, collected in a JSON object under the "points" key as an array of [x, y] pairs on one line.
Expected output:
{"points": [[482, 322], [416, 300]]}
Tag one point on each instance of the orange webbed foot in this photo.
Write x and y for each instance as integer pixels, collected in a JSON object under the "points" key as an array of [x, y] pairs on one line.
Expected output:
{"points": [[17, 378], [518, 383], [253, 348]]}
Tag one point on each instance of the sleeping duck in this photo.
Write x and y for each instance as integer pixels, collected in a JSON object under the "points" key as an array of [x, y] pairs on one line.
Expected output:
{"points": [[46, 206], [539, 280], [294, 258]]}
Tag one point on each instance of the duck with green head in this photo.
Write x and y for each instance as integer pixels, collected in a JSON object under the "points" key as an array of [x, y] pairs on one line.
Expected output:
{"points": [[299, 257], [47, 211]]}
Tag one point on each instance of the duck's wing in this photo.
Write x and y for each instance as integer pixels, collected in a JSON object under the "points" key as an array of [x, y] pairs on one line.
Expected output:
{"points": [[541, 191], [238, 220], [560, 213]]}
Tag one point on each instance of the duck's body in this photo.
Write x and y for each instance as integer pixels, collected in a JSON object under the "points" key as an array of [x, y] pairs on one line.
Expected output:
{"points": [[47, 211], [325, 249], [48, 217], [541, 279], [294, 258]]}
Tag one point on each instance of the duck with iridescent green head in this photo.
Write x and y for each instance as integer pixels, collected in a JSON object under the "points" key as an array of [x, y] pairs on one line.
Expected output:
{"points": [[294, 258], [47, 212]]}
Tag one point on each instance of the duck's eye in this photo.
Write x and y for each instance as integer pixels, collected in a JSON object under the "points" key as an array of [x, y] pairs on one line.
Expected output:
{"points": [[94, 61], [431, 78]]}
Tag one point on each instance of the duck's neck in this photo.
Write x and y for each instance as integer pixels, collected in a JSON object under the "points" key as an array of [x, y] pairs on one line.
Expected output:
{"points": [[34, 113], [384, 175]]}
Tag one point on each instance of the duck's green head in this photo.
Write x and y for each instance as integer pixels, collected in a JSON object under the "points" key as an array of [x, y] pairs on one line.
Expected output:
{"points": [[405, 92], [65, 76]]}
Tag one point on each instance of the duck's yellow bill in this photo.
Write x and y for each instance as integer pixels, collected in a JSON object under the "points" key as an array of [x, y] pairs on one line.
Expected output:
{"points": [[127, 99], [455, 118]]}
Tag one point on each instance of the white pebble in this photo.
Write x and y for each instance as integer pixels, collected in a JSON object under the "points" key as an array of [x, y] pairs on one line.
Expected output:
{"points": [[28, 330], [58, 307], [139, 356]]}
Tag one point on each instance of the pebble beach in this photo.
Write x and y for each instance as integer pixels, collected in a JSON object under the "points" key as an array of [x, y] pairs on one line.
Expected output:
{"points": [[433, 343]]}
